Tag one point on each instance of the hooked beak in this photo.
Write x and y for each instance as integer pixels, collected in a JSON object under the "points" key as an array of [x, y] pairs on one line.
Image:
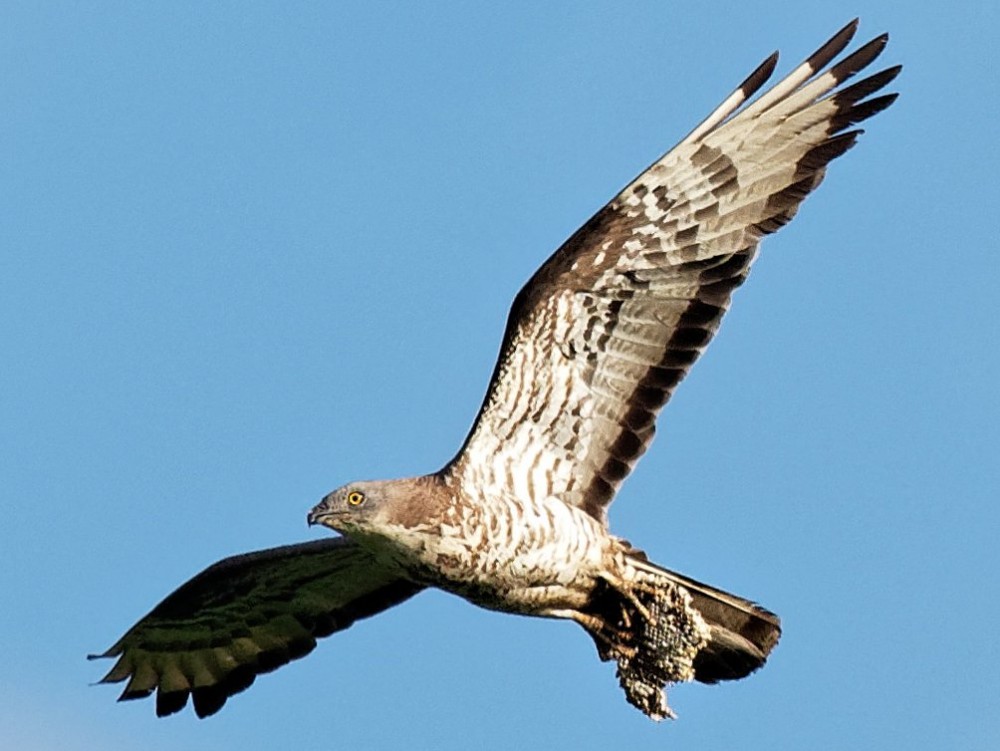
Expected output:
{"points": [[319, 512]]}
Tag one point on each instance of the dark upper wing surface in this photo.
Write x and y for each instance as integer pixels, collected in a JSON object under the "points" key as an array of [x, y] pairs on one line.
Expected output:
{"points": [[247, 615]]}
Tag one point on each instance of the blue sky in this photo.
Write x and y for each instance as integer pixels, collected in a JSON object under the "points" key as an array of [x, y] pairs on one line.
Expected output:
{"points": [[249, 252]]}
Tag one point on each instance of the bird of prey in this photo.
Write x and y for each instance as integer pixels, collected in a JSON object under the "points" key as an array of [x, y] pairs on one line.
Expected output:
{"points": [[595, 344]]}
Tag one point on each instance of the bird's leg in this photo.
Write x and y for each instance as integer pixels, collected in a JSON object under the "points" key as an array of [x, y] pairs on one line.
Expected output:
{"points": [[612, 638], [590, 622], [626, 590], [611, 647], [642, 609]]}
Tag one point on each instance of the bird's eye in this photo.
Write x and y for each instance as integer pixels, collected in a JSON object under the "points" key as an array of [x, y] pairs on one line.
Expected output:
{"points": [[355, 498]]}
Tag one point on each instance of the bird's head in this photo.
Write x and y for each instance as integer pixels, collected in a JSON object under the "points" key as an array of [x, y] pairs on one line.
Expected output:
{"points": [[359, 507]]}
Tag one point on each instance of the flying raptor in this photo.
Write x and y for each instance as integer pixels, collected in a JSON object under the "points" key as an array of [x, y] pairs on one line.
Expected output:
{"points": [[595, 344]]}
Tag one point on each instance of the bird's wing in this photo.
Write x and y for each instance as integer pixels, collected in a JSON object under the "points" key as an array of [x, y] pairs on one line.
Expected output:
{"points": [[247, 615], [600, 336]]}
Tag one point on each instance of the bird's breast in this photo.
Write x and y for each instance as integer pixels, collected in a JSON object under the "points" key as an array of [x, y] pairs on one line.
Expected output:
{"points": [[508, 554]]}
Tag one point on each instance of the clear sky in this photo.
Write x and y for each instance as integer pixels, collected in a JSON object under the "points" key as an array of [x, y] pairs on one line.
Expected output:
{"points": [[251, 251]]}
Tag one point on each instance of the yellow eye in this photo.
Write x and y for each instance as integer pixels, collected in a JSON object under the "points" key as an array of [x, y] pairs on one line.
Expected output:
{"points": [[355, 498]]}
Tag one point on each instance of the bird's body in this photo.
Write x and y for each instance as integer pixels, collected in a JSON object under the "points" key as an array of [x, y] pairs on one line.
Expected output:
{"points": [[595, 344], [503, 553]]}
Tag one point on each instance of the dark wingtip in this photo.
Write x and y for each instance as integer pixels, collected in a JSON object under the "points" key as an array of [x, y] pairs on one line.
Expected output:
{"points": [[759, 77], [858, 91], [833, 46], [170, 702], [867, 109], [113, 651], [848, 31], [877, 44], [133, 694], [819, 156], [860, 58], [843, 36], [208, 700]]}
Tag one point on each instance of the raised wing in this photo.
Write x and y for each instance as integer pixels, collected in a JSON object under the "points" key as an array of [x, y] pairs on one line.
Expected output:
{"points": [[247, 615], [604, 331]]}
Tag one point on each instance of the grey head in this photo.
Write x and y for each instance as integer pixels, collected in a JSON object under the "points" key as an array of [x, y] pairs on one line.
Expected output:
{"points": [[373, 507], [355, 507]]}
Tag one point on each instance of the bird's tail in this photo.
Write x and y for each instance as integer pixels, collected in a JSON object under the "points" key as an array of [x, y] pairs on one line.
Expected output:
{"points": [[741, 633]]}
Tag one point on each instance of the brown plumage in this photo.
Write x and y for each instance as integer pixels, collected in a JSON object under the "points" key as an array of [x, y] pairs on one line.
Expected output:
{"points": [[595, 345]]}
